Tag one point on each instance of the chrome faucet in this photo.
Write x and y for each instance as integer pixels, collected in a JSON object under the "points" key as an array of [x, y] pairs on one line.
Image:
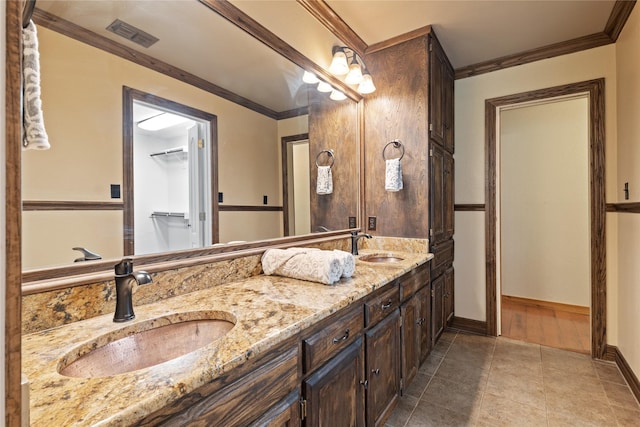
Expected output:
{"points": [[354, 241], [125, 276]]}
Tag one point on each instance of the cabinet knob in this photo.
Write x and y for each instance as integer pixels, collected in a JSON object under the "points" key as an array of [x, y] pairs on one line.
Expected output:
{"points": [[342, 338], [375, 371], [421, 321], [364, 383], [387, 305]]}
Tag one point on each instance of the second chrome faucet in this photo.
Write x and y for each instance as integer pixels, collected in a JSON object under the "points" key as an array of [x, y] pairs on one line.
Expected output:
{"points": [[125, 279]]}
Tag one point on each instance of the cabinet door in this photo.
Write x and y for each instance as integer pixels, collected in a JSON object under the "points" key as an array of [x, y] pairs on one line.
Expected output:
{"points": [[448, 295], [448, 196], [449, 111], [334, 393], [383, 369], [423, 298], [437, 309], [284, 414], [437, 71], [411, 339]]}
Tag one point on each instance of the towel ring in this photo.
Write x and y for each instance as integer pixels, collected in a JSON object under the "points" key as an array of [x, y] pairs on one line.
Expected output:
{"points": [[27, 12], [397, 144], [330, 154]]}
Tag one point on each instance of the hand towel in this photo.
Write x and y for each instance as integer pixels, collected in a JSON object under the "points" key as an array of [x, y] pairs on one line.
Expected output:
{"points": [[34, 134], [348, 262], [313, 265], [393, 175], [324, 184]]}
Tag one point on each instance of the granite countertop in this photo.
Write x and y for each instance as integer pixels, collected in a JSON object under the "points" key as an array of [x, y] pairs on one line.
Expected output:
{"points": [[267, 310]]}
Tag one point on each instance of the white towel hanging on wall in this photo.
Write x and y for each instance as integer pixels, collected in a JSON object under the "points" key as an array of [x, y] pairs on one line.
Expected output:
{"points": [[393, 175], [324, 184], [34, 134]]}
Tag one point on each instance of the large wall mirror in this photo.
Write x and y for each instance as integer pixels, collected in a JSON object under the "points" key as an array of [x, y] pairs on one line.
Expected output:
{"points": [[74, 195]]}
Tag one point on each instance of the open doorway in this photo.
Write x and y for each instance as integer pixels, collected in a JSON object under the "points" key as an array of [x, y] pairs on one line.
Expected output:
{"points": [[296, 208], [170, 175], [594, 90], [544, 222]]}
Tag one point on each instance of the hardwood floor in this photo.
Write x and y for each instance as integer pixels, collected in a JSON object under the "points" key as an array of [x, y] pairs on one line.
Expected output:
{"points": [[549, 325]]}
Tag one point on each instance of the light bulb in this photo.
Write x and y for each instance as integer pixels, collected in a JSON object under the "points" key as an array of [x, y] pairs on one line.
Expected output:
{"points": [[309, 77], [355, 74], [324, 87], [366, 85], [336, 95], [339, 65]]}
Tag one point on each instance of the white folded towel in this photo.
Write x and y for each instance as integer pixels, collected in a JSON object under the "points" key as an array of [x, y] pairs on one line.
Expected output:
{"points": [[348, 262], [393, 175], [324, 184], [35, 135], [304, 264]]}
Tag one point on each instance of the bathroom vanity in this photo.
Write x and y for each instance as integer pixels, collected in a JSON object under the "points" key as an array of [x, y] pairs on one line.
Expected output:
{"points": [[298, 350]]}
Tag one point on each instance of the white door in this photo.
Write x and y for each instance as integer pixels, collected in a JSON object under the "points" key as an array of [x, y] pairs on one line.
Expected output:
{"points": [[199, 186]]}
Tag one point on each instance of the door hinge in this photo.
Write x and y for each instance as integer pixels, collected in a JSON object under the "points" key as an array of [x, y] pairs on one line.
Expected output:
{"points": [[431, 232], [433, 293], [303, 409], [430, 152], [430, 127], [200, 143], [203, 216]]}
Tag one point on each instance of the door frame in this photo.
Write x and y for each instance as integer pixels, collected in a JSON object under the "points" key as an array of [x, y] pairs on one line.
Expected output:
{"points": [[129, 95], [284, 143], [597, 205]]}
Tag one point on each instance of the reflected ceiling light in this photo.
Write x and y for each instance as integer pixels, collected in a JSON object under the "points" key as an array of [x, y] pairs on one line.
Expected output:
{"points": [[162, 121], [366, 85], [310, 78], [324, 87], [336, 95], [339, 65], [355, 73]]}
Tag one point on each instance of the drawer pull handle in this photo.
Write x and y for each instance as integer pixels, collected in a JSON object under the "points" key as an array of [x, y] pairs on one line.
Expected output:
{"points": [[387, 305], [375, 371], [421, 321], [342, 338]]}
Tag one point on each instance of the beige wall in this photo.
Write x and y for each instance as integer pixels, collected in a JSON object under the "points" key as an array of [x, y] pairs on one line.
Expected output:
{"points": [[470, 95], [628, 107], [82, 103], [544, 192]]}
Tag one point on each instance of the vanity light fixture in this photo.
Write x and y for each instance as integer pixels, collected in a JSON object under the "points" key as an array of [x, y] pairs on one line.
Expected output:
{"points": [[324, 87], [356, 71], [366, 85], [339, 65], [162, 121], [336, 95], [309, 77]]}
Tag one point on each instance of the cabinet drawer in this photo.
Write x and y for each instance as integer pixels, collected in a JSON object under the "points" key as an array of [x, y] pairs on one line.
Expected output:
{"points": [[411, 282], [442, 258], [382, 305], [324, 344]]}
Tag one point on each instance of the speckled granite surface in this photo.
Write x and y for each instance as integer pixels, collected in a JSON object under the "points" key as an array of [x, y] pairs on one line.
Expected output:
{"points": [[267, 309]]}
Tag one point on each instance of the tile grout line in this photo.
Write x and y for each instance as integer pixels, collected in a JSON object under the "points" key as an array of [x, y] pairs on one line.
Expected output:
{"points": [[484, 391]]}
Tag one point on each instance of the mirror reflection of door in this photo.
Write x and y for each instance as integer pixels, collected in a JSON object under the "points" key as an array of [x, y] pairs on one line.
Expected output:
{"points": [[172, 195], [296, 185]]}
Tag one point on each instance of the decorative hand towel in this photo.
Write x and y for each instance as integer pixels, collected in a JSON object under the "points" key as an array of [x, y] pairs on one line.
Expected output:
{"points": [[348, 262], [313, 265], [393, 175], [324, 184], [35, 135]]}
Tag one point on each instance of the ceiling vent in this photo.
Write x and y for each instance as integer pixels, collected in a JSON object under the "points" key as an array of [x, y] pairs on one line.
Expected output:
{"points": [[131, 33]]}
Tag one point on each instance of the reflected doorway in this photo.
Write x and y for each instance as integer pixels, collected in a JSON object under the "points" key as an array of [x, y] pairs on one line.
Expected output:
{"points": [[170, 175], [296, 185]]}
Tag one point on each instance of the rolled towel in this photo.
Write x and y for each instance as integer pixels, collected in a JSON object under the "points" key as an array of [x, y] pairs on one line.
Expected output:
{"points": [[348, 262], [393, 175], [313, 265], [324, 184]]}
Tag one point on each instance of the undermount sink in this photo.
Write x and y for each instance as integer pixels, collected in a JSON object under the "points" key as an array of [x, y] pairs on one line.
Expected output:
{"points": [[380, 258], [144, 344]]}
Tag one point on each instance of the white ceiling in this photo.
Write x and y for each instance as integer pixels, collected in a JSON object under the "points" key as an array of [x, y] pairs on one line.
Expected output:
{"points": [[476, 31], [197, 40]]}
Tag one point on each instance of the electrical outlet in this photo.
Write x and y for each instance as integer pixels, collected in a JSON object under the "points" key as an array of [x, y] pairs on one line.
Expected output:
{"points": [[352, 222], [372, 223], [264, 200], [115, 191]]}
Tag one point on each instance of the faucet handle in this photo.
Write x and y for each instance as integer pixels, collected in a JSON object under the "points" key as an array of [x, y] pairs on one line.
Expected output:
{"points": [[124, 267]]}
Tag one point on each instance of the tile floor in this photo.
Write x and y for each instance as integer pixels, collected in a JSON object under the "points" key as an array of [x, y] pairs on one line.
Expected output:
{"points": [[470, 380]]}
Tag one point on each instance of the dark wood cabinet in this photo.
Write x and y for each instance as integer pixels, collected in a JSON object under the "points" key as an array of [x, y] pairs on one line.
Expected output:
{"points": [[411, 340], [441, 216], [423, 299], [334, 394], [448, 296], [437, 308], [383, 368], [284, 414], [441, 96]]}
